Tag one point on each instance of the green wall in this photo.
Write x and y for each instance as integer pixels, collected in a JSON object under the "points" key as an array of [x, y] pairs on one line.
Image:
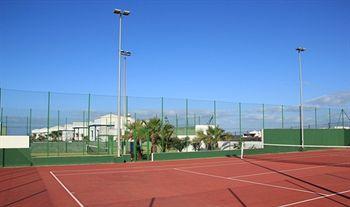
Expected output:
{"points": [[333, 137], [16, 157], [200, 154], [79, 160], [2, 157]]}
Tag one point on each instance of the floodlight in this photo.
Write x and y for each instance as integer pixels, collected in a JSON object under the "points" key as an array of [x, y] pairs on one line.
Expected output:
{"points": [[301, 49], [117, 11], [125, 12]]}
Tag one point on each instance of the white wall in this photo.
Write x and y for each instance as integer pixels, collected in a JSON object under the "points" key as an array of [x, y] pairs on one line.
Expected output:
{"points": [[8, 142]]}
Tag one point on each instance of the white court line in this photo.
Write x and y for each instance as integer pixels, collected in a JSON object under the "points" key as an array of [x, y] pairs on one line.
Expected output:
{"points": [[312, 199], [251, 182], [66, 189], [289, 170]]}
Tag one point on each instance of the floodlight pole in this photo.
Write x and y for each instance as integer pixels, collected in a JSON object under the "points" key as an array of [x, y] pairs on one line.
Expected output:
{"points": [[301, 49], [120, 13], [125, 54]]}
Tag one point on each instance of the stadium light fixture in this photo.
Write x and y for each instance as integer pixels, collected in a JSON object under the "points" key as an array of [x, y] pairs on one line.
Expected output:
{"points": [[125, 53]]}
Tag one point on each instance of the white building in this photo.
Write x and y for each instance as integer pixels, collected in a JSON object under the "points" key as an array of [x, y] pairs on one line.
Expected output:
{"points": [[101, 128]]}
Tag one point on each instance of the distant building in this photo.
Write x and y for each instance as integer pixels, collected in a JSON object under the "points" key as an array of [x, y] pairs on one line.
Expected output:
{"points": [[102, 127]]}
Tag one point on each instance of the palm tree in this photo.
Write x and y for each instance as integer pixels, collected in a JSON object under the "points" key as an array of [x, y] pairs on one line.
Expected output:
{"points": [[139, 127], [55, 135], [166, 132], [154, 126], [180, 144], [212, 136], [196, 143]]}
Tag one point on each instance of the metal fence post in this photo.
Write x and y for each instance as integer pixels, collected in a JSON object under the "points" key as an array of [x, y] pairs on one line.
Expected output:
{"points": [[315, 118], [186, 117], [162, 109], [135, 143], [66, 142], [83, 139], [176, 125], [27, 125], [342, 118], [282, 110], [30, 122], [1, 120], [58, 132], [88, 118], [1, 111], [329, 118], [48, 124], [215, 112], [263, 116], [148, 144], [194, 120], [240, 118]]}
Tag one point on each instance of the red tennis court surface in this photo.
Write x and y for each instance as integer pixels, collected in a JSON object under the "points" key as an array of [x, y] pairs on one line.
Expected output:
{"points": [[314, 178]]}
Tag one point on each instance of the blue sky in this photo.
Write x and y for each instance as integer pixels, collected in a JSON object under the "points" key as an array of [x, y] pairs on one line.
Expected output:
{"points": [[225, 50]]}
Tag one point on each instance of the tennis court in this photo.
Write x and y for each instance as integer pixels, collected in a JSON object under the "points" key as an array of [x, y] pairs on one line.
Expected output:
{"points": [[311, 178]]}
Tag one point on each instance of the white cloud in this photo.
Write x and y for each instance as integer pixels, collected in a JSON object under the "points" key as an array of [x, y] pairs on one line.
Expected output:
{"points": [[334, 99]]}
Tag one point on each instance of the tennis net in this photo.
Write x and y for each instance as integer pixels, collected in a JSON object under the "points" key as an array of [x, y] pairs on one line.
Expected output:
{"points": [[307, 154], [93, 149]]}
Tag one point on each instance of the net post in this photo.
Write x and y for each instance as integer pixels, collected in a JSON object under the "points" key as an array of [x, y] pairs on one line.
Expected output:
{"points": [[152, 157]]}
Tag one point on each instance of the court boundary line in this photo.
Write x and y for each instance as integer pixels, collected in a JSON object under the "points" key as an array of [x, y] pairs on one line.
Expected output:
{"points": [[66, 189], [316, 198], [251, 182]]}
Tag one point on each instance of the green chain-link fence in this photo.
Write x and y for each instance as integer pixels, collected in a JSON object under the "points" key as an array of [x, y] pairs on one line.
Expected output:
{"points": [[61, 124]]}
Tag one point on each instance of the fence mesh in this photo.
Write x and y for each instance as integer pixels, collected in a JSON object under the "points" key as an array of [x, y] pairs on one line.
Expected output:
{"points": [[62, 124]]}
